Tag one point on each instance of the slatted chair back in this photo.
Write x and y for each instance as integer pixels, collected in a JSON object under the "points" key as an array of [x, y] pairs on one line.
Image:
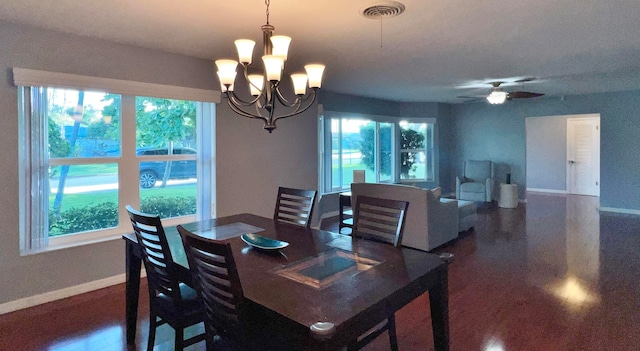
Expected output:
{"points": [[380, 219], [295, 206], [216, 281], [155, 254]]}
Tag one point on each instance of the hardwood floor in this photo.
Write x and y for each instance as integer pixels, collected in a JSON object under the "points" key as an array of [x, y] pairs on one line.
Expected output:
{"points": [[554, 274]]}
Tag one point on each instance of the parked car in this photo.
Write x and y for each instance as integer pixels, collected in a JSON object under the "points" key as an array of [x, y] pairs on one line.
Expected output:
{"points": [[151, 171]]}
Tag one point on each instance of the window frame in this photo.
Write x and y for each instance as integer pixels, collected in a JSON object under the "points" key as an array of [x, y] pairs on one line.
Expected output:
{"points": [[326, 147], [31, 238], [430, 159]]}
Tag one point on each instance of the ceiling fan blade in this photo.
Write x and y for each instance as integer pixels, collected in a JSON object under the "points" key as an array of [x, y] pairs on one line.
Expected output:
{"points": [[523, 95], [471, 96]]}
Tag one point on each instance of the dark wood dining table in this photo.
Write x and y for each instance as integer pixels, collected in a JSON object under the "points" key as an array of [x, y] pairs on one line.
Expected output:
{"points": [[350, 284]]}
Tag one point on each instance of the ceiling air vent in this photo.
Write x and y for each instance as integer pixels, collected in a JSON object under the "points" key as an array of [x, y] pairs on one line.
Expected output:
{"points": [[383, 9]]}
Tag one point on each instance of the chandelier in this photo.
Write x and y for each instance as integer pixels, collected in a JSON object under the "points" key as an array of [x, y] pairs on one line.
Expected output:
{"points": [[265, 87]]}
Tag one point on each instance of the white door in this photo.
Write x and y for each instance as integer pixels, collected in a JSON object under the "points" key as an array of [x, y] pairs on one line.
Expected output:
{"points": [[583, 156]]}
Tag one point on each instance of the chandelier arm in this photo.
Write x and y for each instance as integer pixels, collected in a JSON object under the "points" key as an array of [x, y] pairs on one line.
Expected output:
{"points": [[240, 102], [235, 108], [286, 102], [246, 78], [298, 110]]}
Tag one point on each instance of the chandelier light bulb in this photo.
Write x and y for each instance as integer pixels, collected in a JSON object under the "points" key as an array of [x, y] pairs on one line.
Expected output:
{"points": [[245, 50], [227, 71], [256, 84], [299, 83], [314, 72], [273, 67], [280, 46], [222, 86]]}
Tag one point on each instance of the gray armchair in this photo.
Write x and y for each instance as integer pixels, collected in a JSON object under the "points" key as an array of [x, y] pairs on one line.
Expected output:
{"points": [[476, 184]]}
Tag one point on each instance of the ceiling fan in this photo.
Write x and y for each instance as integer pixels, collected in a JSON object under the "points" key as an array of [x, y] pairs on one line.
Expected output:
{"points": [[498, 96]]}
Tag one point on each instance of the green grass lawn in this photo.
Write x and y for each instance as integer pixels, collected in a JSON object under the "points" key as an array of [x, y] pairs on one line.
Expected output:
{"points": [[87, 170]]}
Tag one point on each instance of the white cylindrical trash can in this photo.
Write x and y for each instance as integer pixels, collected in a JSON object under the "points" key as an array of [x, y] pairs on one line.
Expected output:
{"points": [[508, 196]]}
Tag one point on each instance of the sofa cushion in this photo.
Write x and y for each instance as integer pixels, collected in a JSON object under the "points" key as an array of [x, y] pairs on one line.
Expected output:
{"points": [[473, 187]]}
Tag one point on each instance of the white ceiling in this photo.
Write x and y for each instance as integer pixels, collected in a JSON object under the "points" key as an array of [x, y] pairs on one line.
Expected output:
{"points": [[428, 53]]}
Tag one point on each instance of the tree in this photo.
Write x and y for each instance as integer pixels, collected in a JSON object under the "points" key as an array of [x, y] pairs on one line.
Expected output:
{"points": [[164, 121], [409, 139]]}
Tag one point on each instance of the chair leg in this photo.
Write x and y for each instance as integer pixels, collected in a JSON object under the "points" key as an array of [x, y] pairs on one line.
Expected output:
{"points": [[152, 330], [393, 338], [179, 339]]}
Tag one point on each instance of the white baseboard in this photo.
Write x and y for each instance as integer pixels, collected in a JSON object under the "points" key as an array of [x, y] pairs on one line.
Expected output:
{"points": [[552, 191], [63, 293], [619, 210]]}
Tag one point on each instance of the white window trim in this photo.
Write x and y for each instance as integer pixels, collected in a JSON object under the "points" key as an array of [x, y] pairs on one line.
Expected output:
{"points": [[325, 159]]}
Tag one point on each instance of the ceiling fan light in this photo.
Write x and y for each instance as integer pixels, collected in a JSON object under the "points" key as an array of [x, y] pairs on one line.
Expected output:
{"points": [[497, 97]]}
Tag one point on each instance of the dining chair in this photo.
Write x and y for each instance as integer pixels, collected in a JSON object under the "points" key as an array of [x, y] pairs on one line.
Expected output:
{"points": [[295, 206], [217, 283], [170, 301], [381, 220]]}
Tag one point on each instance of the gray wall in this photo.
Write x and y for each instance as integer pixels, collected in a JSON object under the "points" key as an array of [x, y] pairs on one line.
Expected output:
{"points": [[251, 163], [485, 131], [546, 153], [27, 47]]}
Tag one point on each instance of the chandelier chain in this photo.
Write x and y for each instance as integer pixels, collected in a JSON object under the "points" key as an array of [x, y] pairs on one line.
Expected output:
{"points": [[267, 2]]}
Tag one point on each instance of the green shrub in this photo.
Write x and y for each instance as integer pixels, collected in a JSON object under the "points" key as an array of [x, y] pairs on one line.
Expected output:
{"points": [[80, 219], [105, 214], [167, 207]]}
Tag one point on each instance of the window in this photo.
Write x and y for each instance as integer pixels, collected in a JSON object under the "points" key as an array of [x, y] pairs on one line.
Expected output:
{"points": [[87, 154], [416, 151], [387, 149]]}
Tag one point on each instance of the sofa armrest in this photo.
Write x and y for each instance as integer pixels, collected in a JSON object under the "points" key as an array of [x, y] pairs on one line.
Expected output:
{"points": [[458, 182], [443, 222]]}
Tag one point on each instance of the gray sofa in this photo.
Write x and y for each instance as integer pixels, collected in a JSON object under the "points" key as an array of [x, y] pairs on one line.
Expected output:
{"points": [[429, 223]]}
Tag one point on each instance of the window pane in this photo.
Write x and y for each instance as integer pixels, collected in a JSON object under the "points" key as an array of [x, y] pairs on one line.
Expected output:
{"points": [[357, 149], [83, 124], [162, 123], [167, 127], [418, 165], [416, 144], [85, 199]]}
